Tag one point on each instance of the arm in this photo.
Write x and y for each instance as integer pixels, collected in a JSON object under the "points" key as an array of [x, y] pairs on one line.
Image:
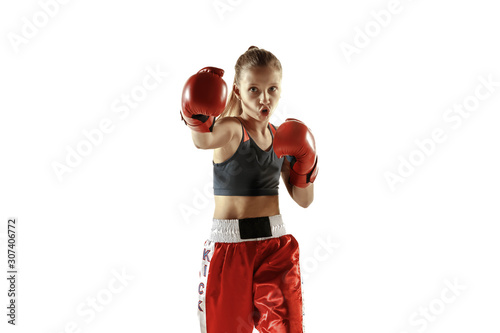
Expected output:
{"points": [[294, 140], [203, 99], [302, 196], [223, 131]]}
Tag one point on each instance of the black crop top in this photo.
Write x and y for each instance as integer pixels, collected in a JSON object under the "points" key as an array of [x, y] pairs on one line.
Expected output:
{"points": [[250, 171]]}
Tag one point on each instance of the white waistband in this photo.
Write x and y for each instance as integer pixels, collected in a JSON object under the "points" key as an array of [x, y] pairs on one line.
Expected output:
{"points": [[228, 231]]}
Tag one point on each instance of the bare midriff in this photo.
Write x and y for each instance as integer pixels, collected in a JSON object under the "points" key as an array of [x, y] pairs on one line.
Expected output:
{"points": [[240, 207]]}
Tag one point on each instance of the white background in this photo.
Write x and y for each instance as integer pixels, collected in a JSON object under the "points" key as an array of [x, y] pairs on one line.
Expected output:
{"points": [[140, 201]]}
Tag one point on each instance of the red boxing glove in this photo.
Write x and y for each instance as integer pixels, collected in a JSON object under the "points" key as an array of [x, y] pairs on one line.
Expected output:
{"points": [[293, 138], [203, 98]]}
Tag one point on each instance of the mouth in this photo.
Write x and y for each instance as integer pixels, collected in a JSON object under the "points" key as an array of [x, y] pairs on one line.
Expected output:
{"points": [[264, 110]]}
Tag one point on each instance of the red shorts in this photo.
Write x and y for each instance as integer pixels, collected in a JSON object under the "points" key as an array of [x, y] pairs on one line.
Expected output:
{"points": [[249, 281]]}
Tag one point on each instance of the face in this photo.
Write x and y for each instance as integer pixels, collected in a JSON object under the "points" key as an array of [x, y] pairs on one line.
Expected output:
{"points": [[259, 91]]}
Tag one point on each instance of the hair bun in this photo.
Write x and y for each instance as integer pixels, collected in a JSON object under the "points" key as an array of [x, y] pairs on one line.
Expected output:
{"points": [[252, 47]]}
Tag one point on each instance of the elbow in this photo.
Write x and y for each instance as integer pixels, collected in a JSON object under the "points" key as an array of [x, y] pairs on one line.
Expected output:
{"points": [[200, 140], [202, 147], [303, 196], [200, 144], [305, 204]]}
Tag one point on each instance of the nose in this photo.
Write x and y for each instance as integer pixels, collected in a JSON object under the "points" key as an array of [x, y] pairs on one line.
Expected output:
{"points": [[264, 98]]}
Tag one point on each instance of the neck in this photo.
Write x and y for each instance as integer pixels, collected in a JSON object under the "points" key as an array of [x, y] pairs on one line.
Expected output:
{"points": [[254, 125]]}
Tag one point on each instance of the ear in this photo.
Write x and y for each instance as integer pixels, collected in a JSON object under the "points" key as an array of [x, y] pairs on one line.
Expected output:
{"points": [[237, 91]]}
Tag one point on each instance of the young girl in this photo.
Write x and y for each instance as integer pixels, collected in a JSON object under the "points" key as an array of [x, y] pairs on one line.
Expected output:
{"points": [[250, 273]]}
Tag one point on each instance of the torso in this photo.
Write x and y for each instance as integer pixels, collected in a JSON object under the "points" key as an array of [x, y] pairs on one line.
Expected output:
{"points": [[237, 207], [240, 207]]}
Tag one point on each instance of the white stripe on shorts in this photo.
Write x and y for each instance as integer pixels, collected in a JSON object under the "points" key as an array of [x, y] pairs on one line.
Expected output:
{"points": [[208, 251], [228, 231]]}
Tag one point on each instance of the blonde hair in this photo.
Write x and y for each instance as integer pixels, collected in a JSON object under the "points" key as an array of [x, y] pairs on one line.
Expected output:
{"points": [[253, 57]]}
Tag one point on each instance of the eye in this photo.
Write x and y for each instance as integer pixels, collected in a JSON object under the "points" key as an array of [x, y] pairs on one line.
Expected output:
{"points": [[253, 90], [274, 88]]}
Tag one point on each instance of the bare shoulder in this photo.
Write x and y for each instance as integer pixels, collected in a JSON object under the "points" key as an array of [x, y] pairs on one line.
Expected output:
{"points": [[229, 122], [224, 132], [229, 125]]}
